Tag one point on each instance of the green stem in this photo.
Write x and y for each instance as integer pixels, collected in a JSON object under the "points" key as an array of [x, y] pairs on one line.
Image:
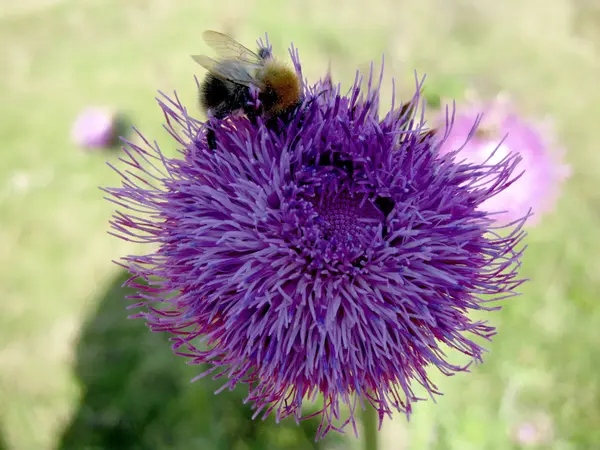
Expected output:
{"points": [[370, 422]]}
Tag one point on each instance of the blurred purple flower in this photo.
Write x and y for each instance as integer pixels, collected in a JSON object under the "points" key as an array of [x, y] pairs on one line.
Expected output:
{"points": [[538, 431], [94, 127], [502, 131], [337, 257]]}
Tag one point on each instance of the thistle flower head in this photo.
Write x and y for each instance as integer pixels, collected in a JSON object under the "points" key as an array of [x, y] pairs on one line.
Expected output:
{"points": [[503, 131], [333, 258]]}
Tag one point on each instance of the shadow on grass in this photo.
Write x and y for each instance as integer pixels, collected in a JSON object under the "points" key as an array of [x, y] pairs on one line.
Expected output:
{"points": [[3, 445], [123, 129], [136, 395]]}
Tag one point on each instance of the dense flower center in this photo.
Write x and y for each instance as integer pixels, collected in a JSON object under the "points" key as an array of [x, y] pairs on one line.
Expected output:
{"points": [[342, 225], [346, 218]]}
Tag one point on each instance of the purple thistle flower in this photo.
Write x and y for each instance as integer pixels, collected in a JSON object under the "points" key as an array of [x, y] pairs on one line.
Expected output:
{"points": [[94, 127], [502, 131], [336, 257]]}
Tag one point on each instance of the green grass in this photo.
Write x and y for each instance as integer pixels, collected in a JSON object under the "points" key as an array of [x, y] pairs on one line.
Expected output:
{"points": [[74, 374]]}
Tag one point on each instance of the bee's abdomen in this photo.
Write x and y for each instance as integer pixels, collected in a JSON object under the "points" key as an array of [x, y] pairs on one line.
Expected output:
{"points": [[220, 97], [212, 92]]}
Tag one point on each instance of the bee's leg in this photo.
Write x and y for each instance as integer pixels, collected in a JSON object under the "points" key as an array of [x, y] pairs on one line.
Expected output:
{"points": [[219, 112], [211, 139], [251, 113]]}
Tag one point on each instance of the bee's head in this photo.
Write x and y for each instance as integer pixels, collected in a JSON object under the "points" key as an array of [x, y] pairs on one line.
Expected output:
{"points": [[265, 53]]}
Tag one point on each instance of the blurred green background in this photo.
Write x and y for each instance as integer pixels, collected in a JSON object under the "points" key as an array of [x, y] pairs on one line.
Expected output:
{"points": [[75, 374]]}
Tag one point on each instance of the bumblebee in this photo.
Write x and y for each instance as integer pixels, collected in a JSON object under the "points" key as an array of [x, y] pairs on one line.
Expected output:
{"points": [[226, 88]]}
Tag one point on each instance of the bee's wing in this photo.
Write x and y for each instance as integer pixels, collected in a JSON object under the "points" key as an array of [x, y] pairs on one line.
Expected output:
{"points": [[228, 48], [236, 72]]}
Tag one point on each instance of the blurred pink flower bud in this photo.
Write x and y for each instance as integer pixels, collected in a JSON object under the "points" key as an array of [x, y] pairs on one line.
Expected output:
{"points": [[544, 170], [94, 127]]}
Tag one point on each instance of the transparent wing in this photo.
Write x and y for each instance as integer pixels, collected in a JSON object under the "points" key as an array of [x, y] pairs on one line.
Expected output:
{"points": [[236, 72], [228, 48]]}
